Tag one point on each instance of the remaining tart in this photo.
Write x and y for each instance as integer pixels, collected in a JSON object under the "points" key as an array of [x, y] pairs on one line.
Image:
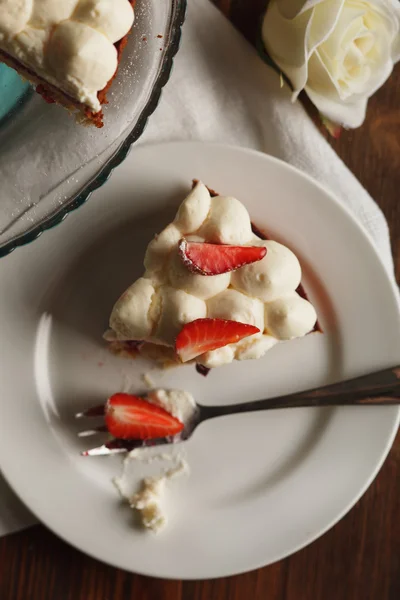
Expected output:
{"points": [[213, 290], [68, 49]]}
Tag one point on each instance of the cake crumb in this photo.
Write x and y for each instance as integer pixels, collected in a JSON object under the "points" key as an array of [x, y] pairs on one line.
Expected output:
{"points": [[147, 502], [149, 499]]}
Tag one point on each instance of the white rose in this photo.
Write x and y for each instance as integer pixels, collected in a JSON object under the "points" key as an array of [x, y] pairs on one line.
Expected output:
{"points": [[339, 51]]}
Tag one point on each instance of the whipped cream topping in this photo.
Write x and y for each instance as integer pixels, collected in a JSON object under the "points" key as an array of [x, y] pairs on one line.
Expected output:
{"points": [[179, 403], [68, 43], [159, 304]]}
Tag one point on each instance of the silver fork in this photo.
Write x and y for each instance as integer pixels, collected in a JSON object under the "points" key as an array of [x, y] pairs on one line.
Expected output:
{"points": [[377, 389]]}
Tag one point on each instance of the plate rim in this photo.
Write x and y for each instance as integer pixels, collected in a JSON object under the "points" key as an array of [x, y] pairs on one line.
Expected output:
{"points": [[396, 420]]}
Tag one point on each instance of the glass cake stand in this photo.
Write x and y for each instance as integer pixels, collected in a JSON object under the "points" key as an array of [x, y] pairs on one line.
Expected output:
{"points": [[49, 164]]}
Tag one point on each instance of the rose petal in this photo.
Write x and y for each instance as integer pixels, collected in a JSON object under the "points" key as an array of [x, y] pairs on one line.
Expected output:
{"points": [[349, 112], [285, 42], [339, 51], [292, 30], [346, 114], [320, 78], [290, 9], [324, 21]]}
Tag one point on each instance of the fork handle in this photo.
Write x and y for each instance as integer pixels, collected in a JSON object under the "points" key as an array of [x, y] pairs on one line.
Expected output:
{"points": [[380, 388]]}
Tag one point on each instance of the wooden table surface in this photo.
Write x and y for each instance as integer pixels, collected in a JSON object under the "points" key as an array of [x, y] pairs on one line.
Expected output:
{"points": [[359, 559]]}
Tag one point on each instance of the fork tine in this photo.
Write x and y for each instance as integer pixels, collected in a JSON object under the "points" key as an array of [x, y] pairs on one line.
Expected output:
{"points": [[112, 447], [94, 431], [94, 411], [120, 446], [103, 451]]}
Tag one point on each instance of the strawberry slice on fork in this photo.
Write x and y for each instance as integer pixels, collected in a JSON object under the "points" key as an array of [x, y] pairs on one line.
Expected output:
{"points": [[133, 421], [130, 417]]}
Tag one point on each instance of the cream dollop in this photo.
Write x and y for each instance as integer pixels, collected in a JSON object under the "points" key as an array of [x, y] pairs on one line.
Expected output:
{"points": [[81, 57], [48, 12], [160, 247], [194, 210], [289, 317], [29, 46], [277, 274], [14, 15], [131, 315], [235, 306], [177, 309], [113, 19], [217, 358], [228, 222]]}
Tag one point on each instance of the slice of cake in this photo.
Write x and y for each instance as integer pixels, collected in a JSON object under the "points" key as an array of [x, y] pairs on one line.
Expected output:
{"points": [[213, 290], [68, 49]]}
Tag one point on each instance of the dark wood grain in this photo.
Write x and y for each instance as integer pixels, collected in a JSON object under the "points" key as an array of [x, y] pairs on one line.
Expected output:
{"points": [[359, 559]]}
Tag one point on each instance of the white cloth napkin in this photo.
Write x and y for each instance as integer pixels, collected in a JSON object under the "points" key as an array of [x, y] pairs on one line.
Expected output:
{"points": [[221, 91]]}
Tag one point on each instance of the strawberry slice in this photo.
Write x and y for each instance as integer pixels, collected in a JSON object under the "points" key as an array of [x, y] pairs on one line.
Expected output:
{"points": [[214, 259], [203, 335], [132, 418]]}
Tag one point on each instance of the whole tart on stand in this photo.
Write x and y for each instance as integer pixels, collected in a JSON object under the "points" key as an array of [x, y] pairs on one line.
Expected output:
{"points": [[69, 50]]}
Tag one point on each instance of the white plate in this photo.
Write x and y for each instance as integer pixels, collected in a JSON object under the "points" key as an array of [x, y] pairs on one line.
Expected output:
{"points": [[262, 485]]}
